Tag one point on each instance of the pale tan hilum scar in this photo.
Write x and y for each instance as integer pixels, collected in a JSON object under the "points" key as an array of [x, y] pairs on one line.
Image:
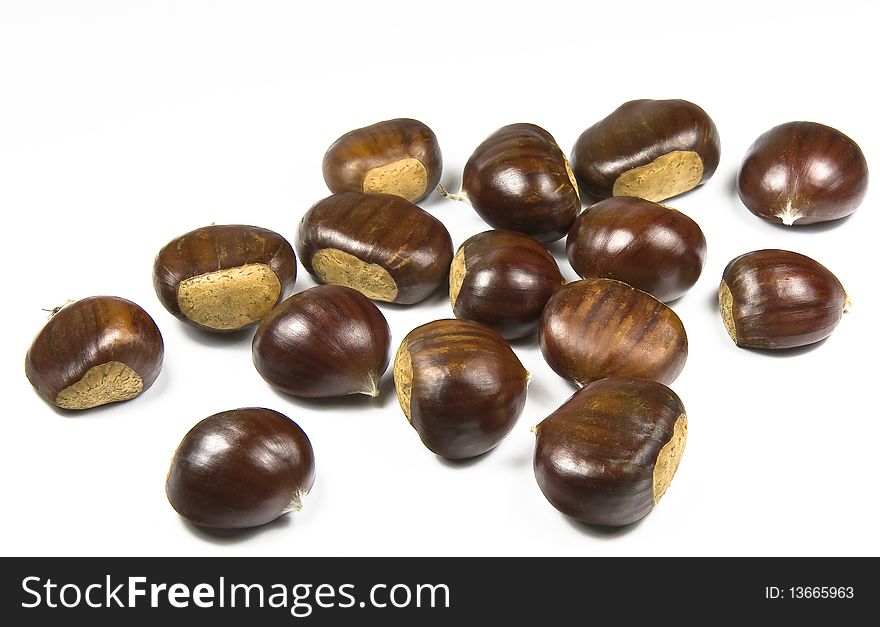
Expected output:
{"points": [[105, 383], [457, 272], [231, 298], [337, 267], [403, 375], [666, 176], [405, 177], [725, 302], [669, 457]]}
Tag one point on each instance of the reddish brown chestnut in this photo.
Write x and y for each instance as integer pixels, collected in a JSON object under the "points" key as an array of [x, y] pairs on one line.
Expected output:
{"points": [[801, 173], [652, 247], [653, 149], [95, 351], [400, 157], [460, 386], [379, 244], [779, 299], [329, 340], [224, 278], [519, 179], [241, 468], [503, 279], [607, 456], [597, 328]]}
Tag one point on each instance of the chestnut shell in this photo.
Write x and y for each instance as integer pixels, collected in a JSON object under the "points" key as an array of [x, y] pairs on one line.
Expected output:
{"points": [[241, 468], [460, 385], [635, 135], [400, 156], [650, 246], [326, 341], [779, 299], [801, 173], [519, 179], [609, 453], [597, 328], [90, 335], [503, 279]]}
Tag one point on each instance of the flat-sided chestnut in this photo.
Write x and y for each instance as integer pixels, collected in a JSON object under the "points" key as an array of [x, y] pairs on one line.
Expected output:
{"points": [[326, 341], [607, 456], [503, 279], [460, 386], [597, 328], [400, 157], [652, 247], [224, 278], [519, 179], [241, 468], [801, 173], [379, 244], [653, 149], [95, 351], [779, 299]]}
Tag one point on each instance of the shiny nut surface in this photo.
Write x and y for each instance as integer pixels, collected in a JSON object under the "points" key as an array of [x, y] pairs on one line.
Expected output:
{"points": [[379, 244], [400, 157]]}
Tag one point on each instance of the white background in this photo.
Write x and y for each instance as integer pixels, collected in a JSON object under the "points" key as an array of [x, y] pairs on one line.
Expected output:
{"points": [[123, 125]]}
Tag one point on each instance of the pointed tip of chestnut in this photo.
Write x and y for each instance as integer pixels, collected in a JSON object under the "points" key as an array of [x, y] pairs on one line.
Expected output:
{"points": [[801, 173], [326, 341], [777, 299], [95, 351]]}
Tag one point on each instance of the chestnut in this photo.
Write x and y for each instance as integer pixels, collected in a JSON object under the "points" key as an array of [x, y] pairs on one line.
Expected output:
{"points": [[597, 328], [460, 386], [328, 340], [503, 279], [608, 454], [802, 173], [241, 468], [224, 277], [95, 351], [400, 157], [779, 299], [651, 246], [653, 149], [519, 179], [383, 246]]}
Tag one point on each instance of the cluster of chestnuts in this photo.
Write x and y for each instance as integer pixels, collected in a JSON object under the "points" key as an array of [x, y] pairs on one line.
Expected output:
{"points": [[607, 454]]}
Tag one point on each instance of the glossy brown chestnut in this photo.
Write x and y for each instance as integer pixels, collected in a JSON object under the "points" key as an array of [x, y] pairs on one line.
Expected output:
{"points": [[801, 173], [607, 456], [379, 244], [503, 279], [597, 328], [779, 299], [95, 351], [460, 386], [329, 340], [241, 468], [400, 157], [224, 278], [519, 179], [652, 247], [653, 149]]}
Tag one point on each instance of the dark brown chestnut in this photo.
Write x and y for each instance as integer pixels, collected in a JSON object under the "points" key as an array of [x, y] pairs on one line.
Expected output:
{"points": [[224, 278], [607, 456], [597, 328], [241, 468], [652, 247], [400, 157], [653, 149], [503, 279], [779, 299], [95, 351], [519, 179], [379, 244], [460, 386], [329, 340], [802, 173]]}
